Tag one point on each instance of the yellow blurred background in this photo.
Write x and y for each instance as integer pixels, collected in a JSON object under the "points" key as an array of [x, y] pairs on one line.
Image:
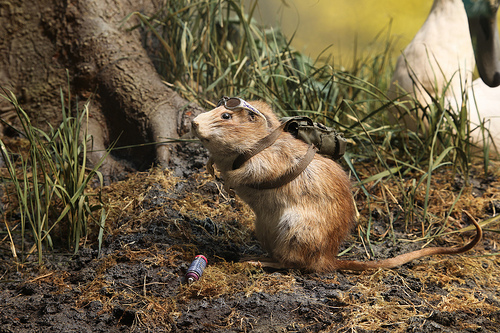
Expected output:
{"points": [[344, 24]]}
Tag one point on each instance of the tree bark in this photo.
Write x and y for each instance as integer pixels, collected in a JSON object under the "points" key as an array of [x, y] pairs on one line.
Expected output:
{"points": [[131, 104]]}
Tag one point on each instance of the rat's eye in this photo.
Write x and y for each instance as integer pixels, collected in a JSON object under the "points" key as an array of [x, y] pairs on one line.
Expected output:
{"points": [[226, 116]]}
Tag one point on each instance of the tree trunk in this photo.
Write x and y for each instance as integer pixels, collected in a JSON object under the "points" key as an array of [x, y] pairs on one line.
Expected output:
{"points": [[41, 39]]}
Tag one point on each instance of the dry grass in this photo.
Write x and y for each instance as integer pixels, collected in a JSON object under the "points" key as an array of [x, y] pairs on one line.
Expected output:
{"points": [[373, 307], [463, 278], [384, 299], [449, 197], [225, 279]]}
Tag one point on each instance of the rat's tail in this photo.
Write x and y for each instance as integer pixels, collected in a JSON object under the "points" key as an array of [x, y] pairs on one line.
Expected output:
{"points": [[354, 265]]}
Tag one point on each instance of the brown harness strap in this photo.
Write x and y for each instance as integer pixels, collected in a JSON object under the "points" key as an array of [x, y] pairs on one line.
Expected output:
{"points": [[259, 146], [285, 178], [290, 175]]}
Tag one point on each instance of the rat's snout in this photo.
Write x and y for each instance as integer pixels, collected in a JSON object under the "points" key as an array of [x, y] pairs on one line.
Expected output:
{"points": [[200, 126], [194, 125]]}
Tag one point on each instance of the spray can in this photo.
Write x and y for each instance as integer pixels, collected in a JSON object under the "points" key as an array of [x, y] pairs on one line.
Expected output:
{"points": [[196, 268]]}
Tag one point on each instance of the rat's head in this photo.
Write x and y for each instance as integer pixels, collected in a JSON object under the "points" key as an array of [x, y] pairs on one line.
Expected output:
{"points": [[234, 125]]}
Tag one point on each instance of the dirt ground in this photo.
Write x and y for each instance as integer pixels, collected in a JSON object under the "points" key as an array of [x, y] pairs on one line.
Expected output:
{"points": [[159, 220]]}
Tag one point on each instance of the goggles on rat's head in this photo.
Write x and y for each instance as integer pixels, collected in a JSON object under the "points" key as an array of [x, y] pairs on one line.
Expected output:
{"points": [[232, 103]]}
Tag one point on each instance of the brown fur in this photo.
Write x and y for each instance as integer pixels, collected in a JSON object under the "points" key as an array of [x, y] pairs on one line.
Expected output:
{"points": [[302, 223]]}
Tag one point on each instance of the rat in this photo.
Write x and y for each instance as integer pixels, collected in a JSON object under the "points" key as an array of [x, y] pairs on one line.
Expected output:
{"points": [[300, 219]]}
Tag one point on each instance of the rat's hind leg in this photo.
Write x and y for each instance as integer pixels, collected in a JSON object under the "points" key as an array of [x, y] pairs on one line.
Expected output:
{"points": [[263, 262]]}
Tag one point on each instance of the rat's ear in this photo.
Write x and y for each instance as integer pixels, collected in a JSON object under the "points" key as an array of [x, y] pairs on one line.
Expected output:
{"points": [[267, 111], [254, 116]]}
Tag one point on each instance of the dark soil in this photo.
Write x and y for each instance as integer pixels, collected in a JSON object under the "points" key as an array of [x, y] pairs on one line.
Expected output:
{"points": [[159, 223]]}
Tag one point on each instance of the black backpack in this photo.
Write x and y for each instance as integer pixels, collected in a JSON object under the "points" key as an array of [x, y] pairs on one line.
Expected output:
{"points": [[326, 139]]}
